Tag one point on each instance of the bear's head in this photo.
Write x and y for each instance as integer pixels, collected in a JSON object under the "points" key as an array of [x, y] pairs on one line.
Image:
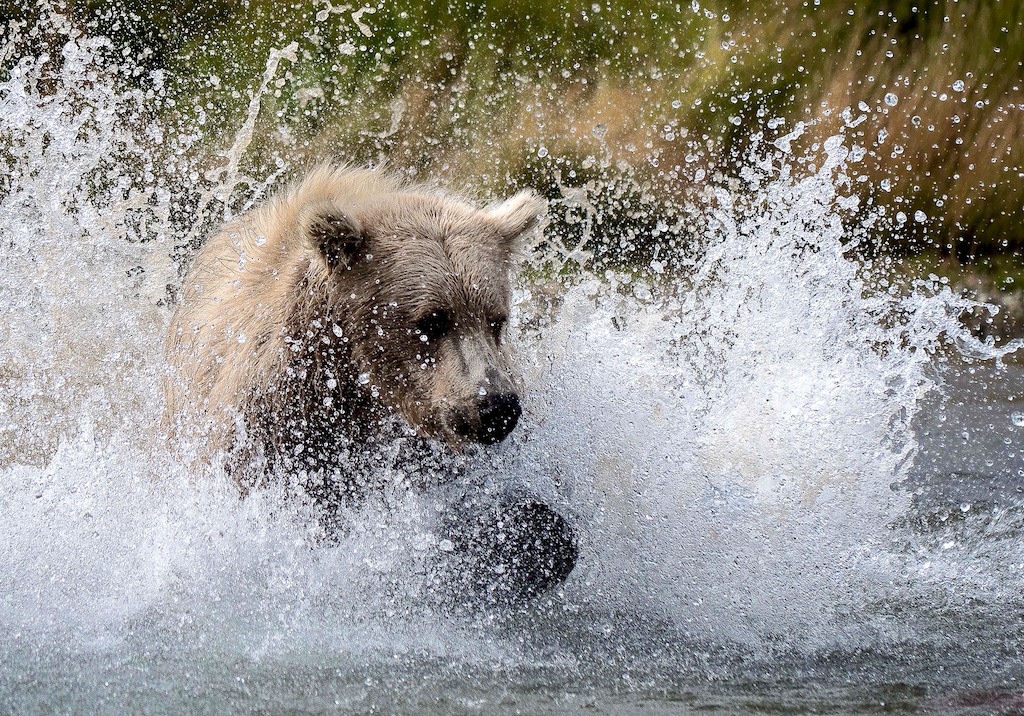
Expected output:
{"points": [[418, 290]]}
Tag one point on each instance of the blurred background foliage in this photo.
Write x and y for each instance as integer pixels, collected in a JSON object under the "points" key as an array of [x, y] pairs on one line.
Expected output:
{"points": [[624, 113]]}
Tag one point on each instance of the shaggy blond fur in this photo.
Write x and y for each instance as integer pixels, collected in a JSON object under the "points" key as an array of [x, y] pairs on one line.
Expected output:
{"points": [[299, 327]]}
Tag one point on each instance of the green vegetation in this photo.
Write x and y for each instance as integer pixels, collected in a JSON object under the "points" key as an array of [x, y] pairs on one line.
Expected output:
{"points": [[639, 103]]}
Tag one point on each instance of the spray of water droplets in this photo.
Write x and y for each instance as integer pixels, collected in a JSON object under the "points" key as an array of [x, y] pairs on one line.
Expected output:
{"points": [[731, 442]]}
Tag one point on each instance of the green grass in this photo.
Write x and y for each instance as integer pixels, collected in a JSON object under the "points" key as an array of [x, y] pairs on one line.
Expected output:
{"points": [[640, 103]]}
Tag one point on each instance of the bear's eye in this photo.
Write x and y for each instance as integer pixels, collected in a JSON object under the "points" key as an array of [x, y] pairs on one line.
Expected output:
{"points": [[497, 326], [433, 326]]}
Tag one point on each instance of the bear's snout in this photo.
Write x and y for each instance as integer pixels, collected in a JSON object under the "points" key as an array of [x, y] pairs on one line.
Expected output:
{"points": [[499, 413]]}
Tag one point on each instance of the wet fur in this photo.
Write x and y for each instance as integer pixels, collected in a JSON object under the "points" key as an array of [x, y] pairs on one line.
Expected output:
{"points": [[259, 370]]}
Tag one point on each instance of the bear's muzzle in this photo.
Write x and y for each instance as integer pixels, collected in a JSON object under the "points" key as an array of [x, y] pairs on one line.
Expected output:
{"points": [[499, 414]]}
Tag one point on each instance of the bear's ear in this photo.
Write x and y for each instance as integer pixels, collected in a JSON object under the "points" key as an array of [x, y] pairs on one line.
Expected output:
{"points": [[337, 236], [516, 216]]}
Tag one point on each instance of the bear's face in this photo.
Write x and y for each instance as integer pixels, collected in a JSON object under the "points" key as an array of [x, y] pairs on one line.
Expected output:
{"points": [[419, 286]]}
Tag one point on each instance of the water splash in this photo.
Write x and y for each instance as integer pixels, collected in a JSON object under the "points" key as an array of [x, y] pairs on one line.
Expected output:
{"points": [[732, 442], [735, 443], [86, 244]]}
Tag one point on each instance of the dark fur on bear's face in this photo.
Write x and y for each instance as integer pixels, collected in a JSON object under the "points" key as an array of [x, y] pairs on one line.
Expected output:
{"points": [[421, 290]]}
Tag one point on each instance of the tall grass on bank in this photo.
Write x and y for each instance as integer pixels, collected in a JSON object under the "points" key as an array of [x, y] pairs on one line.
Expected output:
{"points": [[631, 107]]}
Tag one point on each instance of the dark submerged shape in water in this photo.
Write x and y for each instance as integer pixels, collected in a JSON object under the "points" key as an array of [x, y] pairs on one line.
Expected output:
{"points": [[494, 547], [505, 548]]}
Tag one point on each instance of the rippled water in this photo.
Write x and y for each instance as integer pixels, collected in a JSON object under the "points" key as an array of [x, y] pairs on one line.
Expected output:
{"points": [[796, 489]]}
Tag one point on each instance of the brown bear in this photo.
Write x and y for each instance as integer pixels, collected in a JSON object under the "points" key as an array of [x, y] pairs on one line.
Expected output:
{"points": [[306, 325], [349, 297]]}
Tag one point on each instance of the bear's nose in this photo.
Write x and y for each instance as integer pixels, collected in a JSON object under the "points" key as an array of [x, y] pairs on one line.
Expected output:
{"points": [[499, 414]]}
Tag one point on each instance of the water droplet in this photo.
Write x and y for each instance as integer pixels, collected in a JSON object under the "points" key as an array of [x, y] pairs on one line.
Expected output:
{"points": [[958, 86], [481, 391], [542, 152], [1017, 419], [363, 378], [891, 99], [920, 217], [965, 507], [336, 329]]}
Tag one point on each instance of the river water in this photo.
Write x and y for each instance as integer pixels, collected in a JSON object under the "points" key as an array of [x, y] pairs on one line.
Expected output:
{"points": [[797, 482]]}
